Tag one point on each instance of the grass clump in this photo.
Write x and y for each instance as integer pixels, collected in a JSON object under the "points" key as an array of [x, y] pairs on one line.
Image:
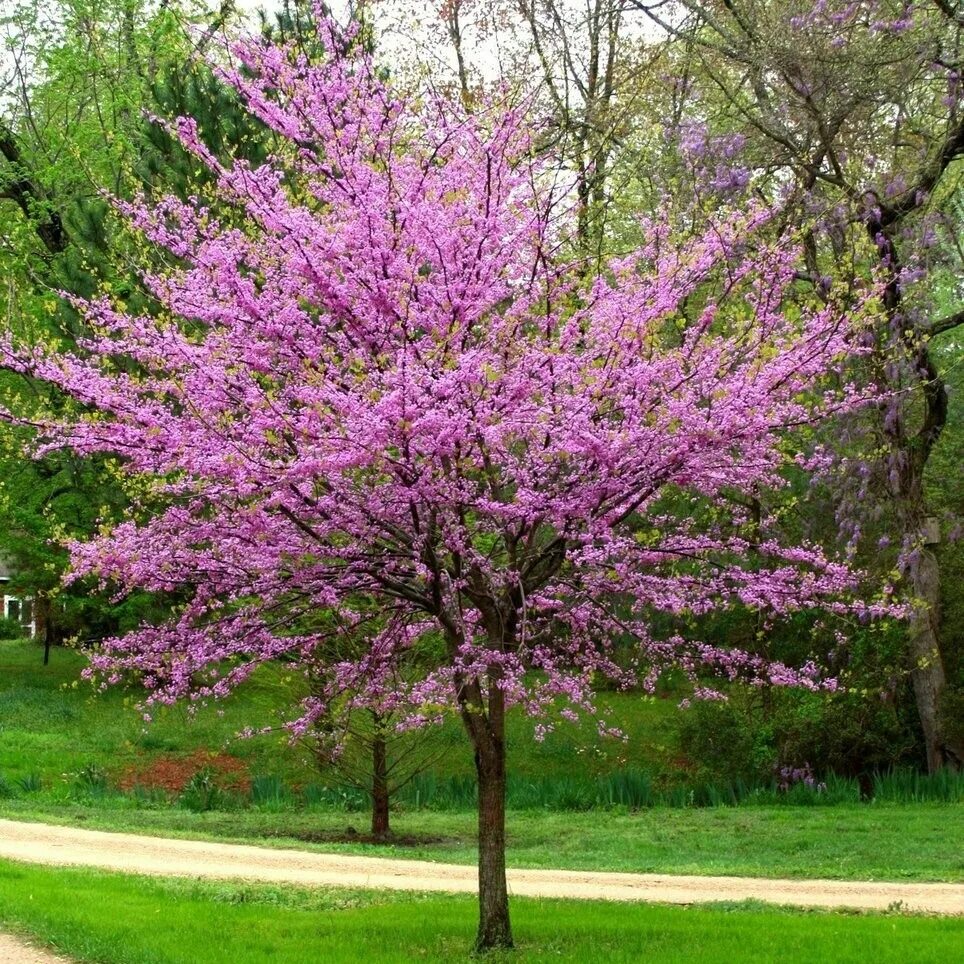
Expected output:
{"points": [[30, 783], [203, 793], [270, 792]]}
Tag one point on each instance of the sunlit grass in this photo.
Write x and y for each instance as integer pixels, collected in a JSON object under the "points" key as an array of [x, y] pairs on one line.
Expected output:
{"points": [[114, 919]]}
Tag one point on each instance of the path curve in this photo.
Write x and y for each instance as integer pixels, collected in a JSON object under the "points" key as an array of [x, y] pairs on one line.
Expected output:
{"points": [[132, 853], [13, 950]]}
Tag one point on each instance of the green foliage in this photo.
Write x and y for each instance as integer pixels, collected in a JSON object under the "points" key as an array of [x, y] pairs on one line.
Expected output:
{"points": [[30, 783], [952, 714], [850, 733], [270, 792], [91, 783], [636, 790], [11, 628], [868, 725], [78, 127], [727, 741], [335, 798], [911, 786]]}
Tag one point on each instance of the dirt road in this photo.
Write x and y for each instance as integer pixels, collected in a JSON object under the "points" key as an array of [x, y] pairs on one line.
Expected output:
{"points": [[67, 846], [13, 950]]}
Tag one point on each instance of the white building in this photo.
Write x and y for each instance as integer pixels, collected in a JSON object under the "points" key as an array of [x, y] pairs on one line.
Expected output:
{"points": [[18, 608]]}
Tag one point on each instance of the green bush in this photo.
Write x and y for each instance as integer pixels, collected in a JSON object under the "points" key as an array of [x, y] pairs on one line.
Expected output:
{"points": [[854, 733], [11, 628], [727, 742]]}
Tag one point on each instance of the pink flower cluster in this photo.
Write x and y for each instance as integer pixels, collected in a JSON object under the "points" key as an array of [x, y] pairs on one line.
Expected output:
{"points": [[374, 402]]}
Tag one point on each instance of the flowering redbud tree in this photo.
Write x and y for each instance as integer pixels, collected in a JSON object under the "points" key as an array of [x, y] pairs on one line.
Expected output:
{"points": [[372, 390]]}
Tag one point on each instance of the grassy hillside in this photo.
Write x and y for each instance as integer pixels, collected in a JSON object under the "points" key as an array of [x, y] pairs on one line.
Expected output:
{"points": [[53, 725]]}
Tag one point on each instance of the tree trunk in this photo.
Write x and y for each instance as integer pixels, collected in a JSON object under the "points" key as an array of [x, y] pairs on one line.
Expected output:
{"points": [[494, 928], [928, 667], [911, 448], [43, 627], [380, 800]]}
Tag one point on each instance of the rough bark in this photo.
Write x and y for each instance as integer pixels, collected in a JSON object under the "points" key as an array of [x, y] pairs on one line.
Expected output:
{"points": [[928, 667], [911, 447], [380, 793]]}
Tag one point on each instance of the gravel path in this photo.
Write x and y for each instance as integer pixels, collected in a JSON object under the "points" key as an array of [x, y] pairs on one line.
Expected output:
{"points": [[16, 951], [67, 846]]}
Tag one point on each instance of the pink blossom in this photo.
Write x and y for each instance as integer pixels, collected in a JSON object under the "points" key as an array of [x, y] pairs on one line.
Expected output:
{"points": [[376, 402]]}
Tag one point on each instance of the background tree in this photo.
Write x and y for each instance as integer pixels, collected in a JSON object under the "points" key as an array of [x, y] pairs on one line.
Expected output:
{"points": [[855, 110], [372, 747], [79, 79]]}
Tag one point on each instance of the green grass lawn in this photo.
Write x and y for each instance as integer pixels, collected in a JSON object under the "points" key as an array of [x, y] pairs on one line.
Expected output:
{"points": [[113, 919], [53, 724], [53, 728]]}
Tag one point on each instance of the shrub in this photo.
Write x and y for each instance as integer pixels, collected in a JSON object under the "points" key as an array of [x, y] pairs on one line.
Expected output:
{"points": [[12, 628], [91, 781], [726, 742], [854, 733]]}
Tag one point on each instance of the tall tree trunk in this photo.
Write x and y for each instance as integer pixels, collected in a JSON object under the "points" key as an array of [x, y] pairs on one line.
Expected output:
{"points": [[380, 799], [494, 927], [911, 447], [928, 667]]}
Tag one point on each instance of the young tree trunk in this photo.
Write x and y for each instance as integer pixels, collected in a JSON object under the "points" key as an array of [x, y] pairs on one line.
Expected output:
{"points": [[494, 928], [380, 799], [43, 622]]}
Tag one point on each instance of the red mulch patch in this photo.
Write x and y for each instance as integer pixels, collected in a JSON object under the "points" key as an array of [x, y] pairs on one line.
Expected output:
{"points": [[172, 774]]}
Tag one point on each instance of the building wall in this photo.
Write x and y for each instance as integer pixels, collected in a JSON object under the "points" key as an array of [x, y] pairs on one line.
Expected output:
{"points": [[22, 610]]}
